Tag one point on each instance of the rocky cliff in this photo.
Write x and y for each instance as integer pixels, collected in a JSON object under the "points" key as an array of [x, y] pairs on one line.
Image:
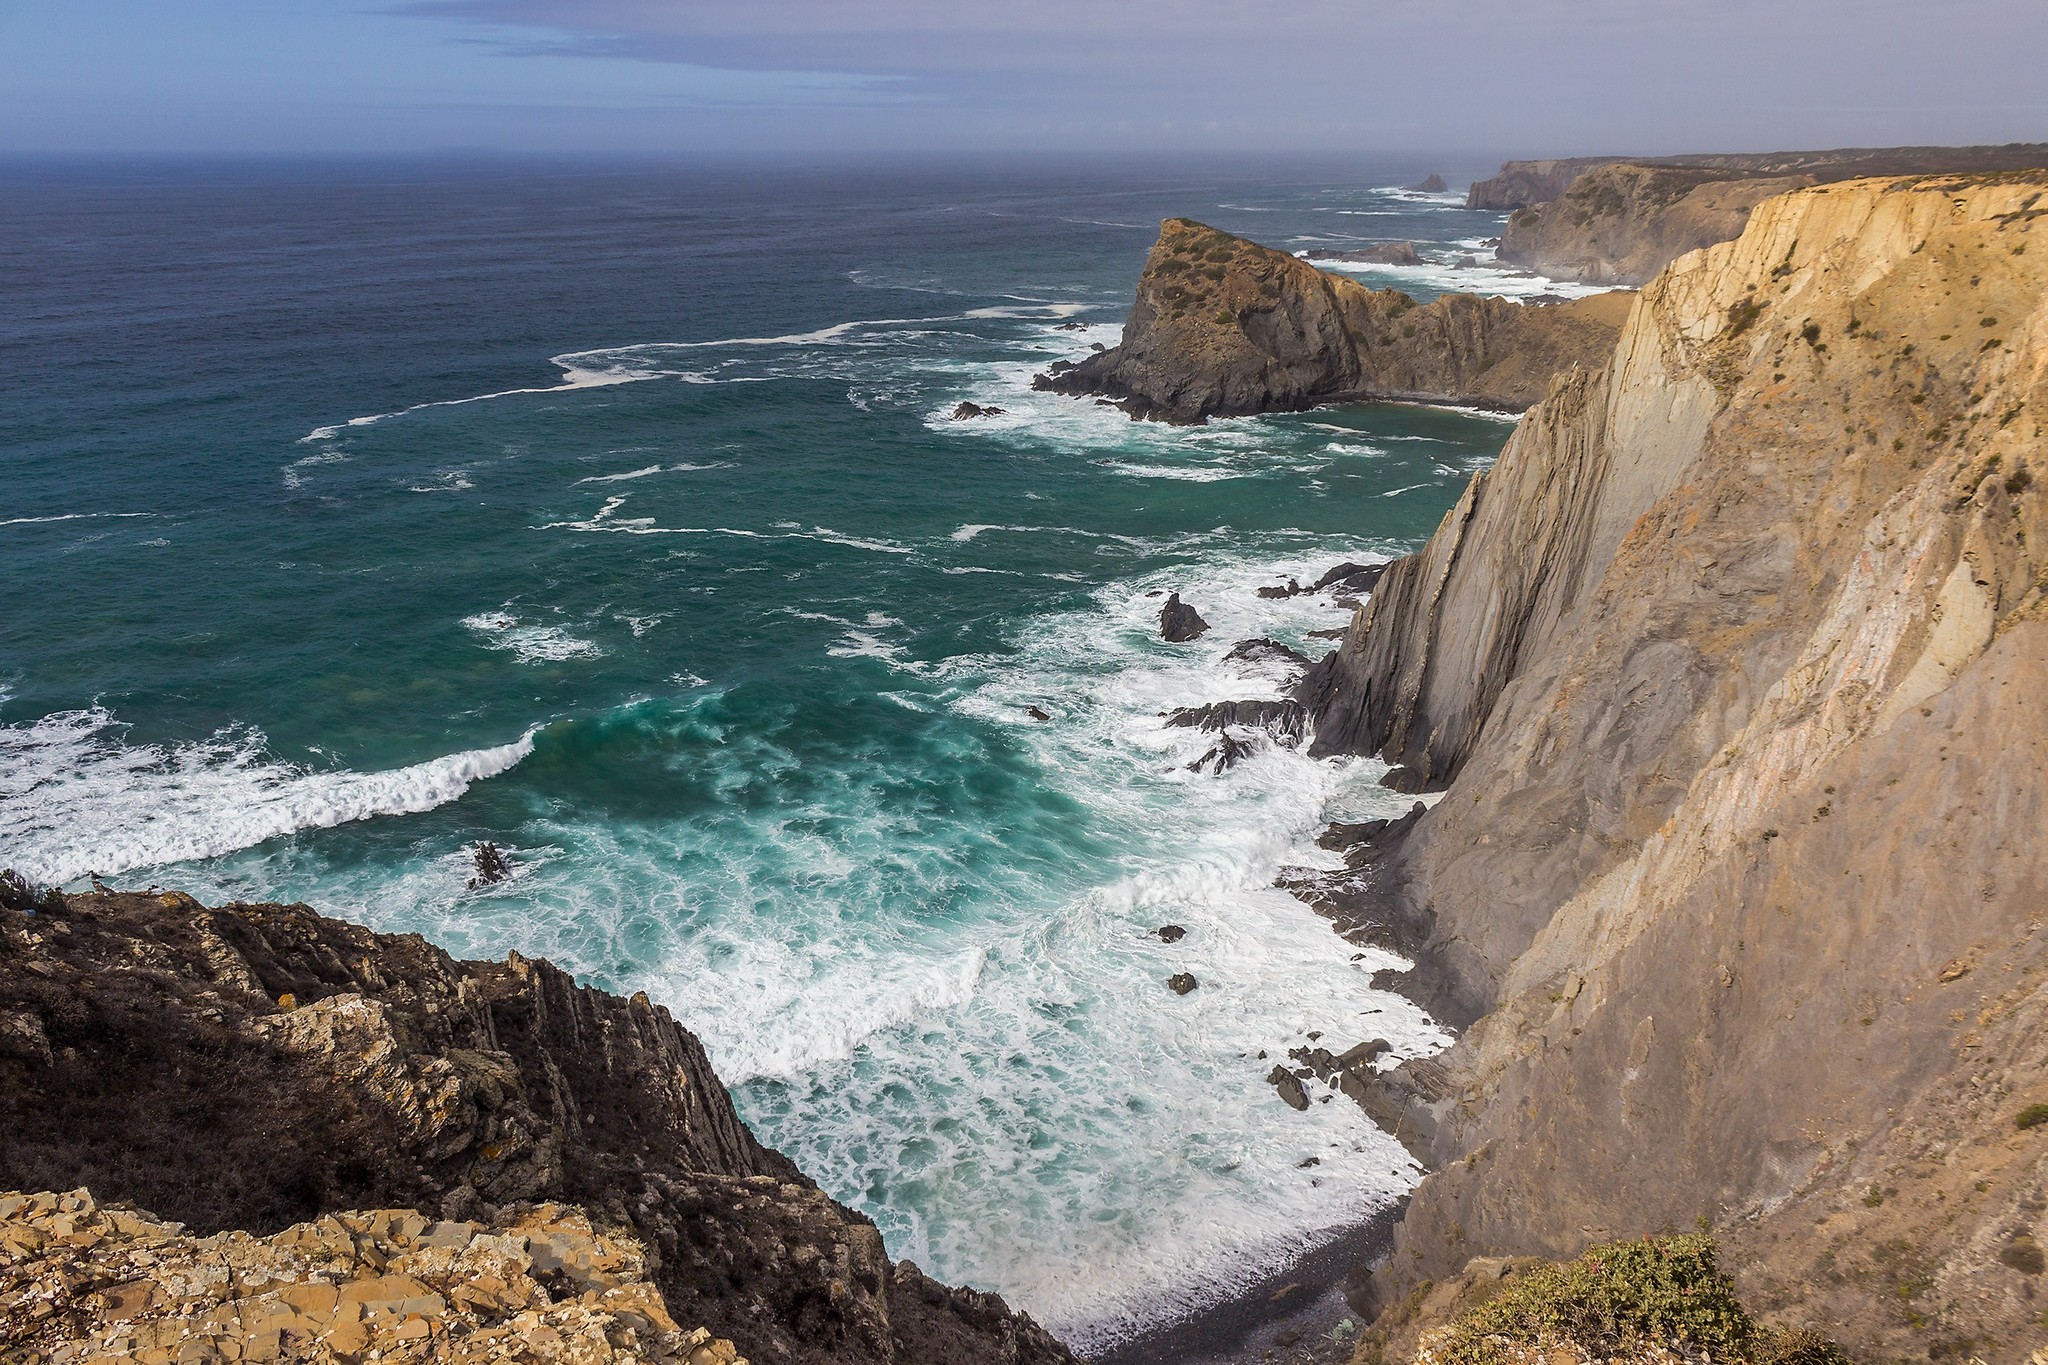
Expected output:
{"points": [[1224, 327], [1621, 220], [1733, 674], [1622, 223], [245, 1069]]}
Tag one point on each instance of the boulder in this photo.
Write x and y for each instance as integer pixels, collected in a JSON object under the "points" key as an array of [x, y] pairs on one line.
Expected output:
{"points": [[1180, 983], [1289, 1086], [1170, 933], [1179, 622]]}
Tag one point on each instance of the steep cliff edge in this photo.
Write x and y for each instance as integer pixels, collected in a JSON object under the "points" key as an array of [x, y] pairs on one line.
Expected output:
{"points": [[1622, 223], [1224, 327], [1734, 673], [1620, 220], [257, 1066]]}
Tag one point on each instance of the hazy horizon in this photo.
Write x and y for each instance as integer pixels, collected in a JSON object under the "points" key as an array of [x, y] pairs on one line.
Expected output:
{"points": [[238, 78]]}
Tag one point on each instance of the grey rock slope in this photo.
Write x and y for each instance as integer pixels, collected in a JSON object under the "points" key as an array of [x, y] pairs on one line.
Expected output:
{"points": [[1734, 675]]}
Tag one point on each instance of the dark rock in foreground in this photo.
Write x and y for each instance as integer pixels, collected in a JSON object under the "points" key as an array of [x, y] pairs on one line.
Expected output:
{"points": [[256, 1066]]}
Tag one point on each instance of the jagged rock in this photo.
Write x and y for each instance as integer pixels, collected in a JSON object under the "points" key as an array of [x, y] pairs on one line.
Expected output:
{"points": [[1274, 592], [1289, 1086], [1385, 253], [1284, 719], [1180, 983], [1222, 326], [1179, 622], [1072, 327], [1037, 713], [1171, 933], [1225, 754], [1431, 184], [492, 866], [968, 411], [1262, 650], [257, 1066]]}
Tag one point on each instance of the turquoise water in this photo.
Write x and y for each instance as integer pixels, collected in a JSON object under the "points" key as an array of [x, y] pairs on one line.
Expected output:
{"points": [[353, 515]]}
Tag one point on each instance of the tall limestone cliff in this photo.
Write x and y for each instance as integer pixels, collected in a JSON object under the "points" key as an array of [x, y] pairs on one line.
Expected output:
{"points": [[1223, 327], [249, 1068], [1733, 675]]}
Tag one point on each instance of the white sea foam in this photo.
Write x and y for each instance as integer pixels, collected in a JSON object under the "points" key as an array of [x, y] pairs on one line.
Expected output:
{"points": [[653, 469], [1484, 276], [71, 516], [75, 796], [530, 644]]}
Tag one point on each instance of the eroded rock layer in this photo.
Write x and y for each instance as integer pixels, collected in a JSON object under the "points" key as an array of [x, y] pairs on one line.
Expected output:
{"points": [[1736, 670], [252, 1067], [1224, 327]]}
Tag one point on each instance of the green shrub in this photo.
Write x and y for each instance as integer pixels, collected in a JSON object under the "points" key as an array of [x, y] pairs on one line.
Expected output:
{"points": [[2033, 1116], [1625, 1295]]}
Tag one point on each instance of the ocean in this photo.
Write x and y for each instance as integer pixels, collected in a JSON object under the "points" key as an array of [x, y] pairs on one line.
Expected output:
{"points": [[616, 514]]}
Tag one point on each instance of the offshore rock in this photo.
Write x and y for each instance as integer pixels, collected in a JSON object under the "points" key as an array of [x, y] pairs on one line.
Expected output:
{"points": [[1225, 327], [253, 1067], [1386, 253], [1735, 667], [1179, 622], [1432, 183]]}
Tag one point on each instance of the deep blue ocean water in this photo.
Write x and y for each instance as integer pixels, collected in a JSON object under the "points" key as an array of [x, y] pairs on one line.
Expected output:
{"points": [[349, 516]]}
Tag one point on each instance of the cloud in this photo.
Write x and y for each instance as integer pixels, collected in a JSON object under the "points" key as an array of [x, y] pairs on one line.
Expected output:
{"points": [[1572, 74]]}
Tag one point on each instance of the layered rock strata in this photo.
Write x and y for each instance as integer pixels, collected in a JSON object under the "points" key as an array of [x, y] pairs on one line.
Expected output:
{"points": [[1734, 675], [1620, 221], [253, 1067], [1224, 327]]}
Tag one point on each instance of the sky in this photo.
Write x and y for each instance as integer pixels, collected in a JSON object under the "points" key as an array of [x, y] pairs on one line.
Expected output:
{"points": [[1508, 77]]}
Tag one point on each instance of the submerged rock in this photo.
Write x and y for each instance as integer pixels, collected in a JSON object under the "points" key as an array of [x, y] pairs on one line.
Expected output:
{"points": [[1171, 933], [1180, 983], [968, 411], [1179, 622]]}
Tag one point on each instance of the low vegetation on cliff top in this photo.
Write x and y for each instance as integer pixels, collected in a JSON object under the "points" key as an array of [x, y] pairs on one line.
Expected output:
{"points": [[1622, 1299]]}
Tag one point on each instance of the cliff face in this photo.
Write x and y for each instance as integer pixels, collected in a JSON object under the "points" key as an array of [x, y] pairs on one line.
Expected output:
{"points": [[1612, 220], [1622, 223], [1736, 670], [1522, 183], [253, 1067], [1225, 327]]}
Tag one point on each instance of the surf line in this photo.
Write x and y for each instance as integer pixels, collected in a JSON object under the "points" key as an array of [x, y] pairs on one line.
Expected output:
{"points": [[581, 376]]}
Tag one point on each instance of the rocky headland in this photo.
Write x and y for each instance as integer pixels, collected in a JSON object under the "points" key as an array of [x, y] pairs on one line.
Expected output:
{"points": [[1620, 220], [1224, 327], [288, 1137], [1732, 675]]}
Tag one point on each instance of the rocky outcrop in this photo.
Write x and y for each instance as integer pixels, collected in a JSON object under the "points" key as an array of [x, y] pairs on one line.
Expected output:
{"points": [[1433, 183], [1522, 183], [252, 1067], [537, 1285], [1383, 253], [1225, 327], [1735, 669], [1621, 220], [1620, 224], [1179, 622]]}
